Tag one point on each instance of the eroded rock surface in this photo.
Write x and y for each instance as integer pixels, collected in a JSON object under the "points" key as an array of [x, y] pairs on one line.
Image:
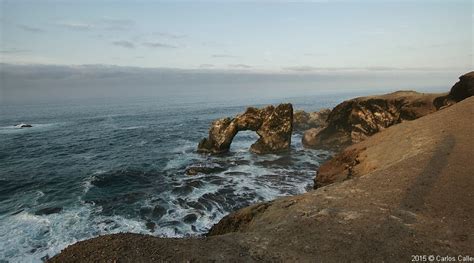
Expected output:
{"points": [[303, 120], [354, 120], [463, 89], [274, 125]]}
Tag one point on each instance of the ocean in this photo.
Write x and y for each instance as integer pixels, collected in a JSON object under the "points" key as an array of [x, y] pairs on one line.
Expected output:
{"points": [[101, 166]]}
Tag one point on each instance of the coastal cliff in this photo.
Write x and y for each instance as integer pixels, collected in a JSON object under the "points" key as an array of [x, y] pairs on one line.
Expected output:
{"points": [[404, 190], [354, 120]]}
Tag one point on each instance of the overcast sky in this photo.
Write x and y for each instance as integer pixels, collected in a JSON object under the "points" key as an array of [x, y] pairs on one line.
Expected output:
{"points": [[268, 36]]}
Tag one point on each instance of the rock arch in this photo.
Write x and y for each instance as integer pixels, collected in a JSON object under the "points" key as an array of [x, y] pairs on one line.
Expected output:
{"points": [[274, 125]]}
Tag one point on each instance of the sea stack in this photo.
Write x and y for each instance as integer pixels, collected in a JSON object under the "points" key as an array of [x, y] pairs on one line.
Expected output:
{"points": [[273, 124]]}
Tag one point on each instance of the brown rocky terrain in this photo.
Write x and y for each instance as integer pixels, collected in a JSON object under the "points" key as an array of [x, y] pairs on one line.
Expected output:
{"points": [[354, 120], [303, 120], [274, 125], [409, 193]]}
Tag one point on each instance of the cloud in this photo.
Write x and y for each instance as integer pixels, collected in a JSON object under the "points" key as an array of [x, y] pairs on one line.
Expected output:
{"points": [[239, 66], [158, 45], [30, 29], [169, 35], [206, 66], [371, 68], [223, 56], [77, 26], [115, 24], [13, 51], [124, 43], [106, 23], [300, 68]]}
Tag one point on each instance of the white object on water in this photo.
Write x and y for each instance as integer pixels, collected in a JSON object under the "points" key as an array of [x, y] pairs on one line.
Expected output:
{"points": [[23, 125]]}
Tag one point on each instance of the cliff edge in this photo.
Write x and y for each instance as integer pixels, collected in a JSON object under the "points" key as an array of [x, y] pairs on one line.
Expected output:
{"points": [[410, 194]]}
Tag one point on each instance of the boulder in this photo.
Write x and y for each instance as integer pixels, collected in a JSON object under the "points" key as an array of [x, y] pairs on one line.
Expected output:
{"points": [[204, 169], [274, 125], [356, 119], [306, 120], [463, 89]]}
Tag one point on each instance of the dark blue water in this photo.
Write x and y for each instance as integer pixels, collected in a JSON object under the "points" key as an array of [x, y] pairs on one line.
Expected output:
{"points": [[104, 166]]}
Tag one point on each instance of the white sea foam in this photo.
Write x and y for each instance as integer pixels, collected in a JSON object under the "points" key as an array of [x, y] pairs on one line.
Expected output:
{"points": [[36, 127], [27, 238], [134, 127]]}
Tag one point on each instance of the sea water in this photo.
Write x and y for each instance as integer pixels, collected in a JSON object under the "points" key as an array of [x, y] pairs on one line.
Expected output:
{"points": [[107, 166]]}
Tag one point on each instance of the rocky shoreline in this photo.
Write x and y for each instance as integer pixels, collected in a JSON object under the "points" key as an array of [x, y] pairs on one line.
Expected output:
{"points": [[402, 187]]}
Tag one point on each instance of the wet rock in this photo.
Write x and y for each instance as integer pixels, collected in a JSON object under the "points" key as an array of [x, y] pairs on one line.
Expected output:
{"points": [[195, 205], [150, 226], [145, 211], [23, 125], [190, 218], [274, 125], [194, 170], [49, 210], [236, 173], [195, 184], [158, 212], [182, 190], [306, 120]]}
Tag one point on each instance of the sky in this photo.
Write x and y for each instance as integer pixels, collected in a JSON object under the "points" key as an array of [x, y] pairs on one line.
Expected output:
{"points": [[46, 43], [265, 35]]}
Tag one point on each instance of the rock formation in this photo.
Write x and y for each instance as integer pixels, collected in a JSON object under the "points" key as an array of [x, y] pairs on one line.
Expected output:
{"points": [[274, 125], [406, 191], [306, 120], [463, 89], [356, 119]]}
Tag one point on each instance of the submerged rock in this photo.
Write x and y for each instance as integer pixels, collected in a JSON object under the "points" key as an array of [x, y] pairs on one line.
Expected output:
{"points": [[190, 218], [48, 211], [303, 120], [150, 225], [194, 170], [274, 125]]}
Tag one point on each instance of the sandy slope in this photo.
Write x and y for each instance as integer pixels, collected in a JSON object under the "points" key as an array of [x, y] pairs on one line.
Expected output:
{"points": [[413, 195]]}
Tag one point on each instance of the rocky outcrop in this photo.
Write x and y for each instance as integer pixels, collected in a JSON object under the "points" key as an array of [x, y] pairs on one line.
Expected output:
{"points": [[274, 125], [411, 194], [238, 221], [204, 169], [389, 147], [303, 120], [463, 89], [354, 120]]}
